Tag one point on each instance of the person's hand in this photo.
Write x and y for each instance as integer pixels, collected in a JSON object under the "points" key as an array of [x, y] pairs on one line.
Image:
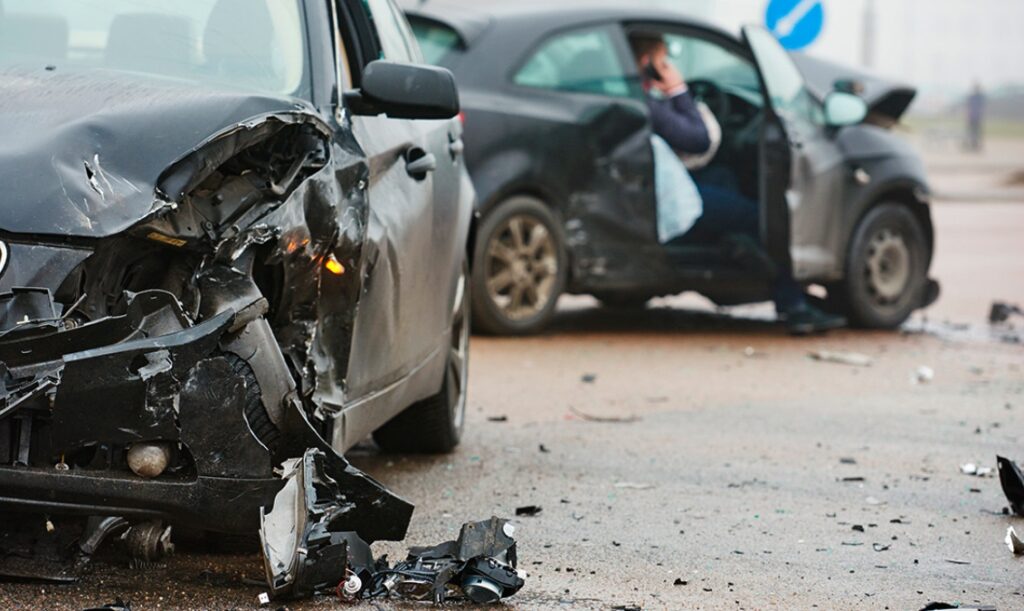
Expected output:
{"points": [[672, 81]]}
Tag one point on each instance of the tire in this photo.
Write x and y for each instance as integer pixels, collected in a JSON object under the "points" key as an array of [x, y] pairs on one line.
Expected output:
{"points": [[886, 269], [255, 412], [517, 281], [435, 425]]}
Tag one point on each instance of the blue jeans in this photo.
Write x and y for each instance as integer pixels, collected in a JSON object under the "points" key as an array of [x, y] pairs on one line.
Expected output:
{"points": [[728, 212]]}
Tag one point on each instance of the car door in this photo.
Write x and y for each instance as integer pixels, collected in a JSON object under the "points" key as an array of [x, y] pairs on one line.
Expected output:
{"points": [[592, 133], [803, 170], [405, 308]]}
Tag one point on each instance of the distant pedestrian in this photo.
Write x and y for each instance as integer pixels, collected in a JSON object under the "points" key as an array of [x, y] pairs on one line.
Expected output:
{"points": [[975, 119]]}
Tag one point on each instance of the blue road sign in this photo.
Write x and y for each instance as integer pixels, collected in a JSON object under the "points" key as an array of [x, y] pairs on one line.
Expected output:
{"points": [[796, 23]]}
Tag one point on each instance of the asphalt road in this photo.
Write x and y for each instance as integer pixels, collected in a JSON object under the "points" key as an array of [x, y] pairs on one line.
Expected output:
{"points": [[726, 490]]}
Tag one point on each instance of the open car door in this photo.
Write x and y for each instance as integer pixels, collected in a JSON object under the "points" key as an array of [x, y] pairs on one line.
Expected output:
{"points": [[802, 169]]}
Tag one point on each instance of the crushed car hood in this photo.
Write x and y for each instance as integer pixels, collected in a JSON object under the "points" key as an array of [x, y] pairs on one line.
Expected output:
{"points": [[884, 97], [82, 152]]}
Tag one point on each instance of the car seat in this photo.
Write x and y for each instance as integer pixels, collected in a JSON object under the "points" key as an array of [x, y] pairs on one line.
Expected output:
{"points": [[240, 53], [151, 43]]}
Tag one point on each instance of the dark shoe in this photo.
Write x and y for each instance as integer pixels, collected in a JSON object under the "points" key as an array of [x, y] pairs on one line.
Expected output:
{"points": [[808, 320]]}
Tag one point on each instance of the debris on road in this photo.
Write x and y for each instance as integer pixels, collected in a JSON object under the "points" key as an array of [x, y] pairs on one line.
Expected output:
{"points": [[497, 418], [633, 486], [588, 378], [1012, 481], [529, 510], [1014, 542], [878, 547], [973, 469], [305, 552], [957, 607], [604, 419], [923, 375], [1001, 312], [853, 359], [118, 605]]}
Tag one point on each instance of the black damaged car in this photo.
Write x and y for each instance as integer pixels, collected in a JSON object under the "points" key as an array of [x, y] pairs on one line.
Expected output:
{"points": [[233, 234], [558, 143]]}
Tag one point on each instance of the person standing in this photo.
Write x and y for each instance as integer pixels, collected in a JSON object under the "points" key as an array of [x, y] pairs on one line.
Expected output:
{"points": [[976, 119]]}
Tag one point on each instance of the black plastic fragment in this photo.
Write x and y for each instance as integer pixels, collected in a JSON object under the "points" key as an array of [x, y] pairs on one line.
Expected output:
{"points": [[1012, 480]]}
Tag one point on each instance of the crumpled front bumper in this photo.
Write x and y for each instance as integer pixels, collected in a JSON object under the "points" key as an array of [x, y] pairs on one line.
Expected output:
{"points": [[74, 400]]}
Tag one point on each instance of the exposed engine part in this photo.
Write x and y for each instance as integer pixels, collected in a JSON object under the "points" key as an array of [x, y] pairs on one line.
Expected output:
{"points": [[149, 542], [149, 459], [305, 554], [98, 529]]}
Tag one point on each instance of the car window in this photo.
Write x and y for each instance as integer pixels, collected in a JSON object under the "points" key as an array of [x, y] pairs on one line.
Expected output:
{"points": [[783, 80], [250, 44], [396, 38], [584, 61], [437, 41], [699, 59]]}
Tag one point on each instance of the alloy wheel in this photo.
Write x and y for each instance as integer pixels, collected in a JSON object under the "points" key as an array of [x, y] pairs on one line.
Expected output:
{"points": [[888, 266], [521, 267]]}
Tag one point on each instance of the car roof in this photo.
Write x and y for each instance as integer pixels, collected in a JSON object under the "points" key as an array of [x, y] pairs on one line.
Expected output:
{"points": [[471, 18]]}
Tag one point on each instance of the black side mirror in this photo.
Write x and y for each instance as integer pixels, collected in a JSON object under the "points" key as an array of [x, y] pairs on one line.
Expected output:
{"points": [[405, 91]]}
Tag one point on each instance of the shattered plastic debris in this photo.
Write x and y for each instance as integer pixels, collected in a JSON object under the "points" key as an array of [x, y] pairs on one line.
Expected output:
{"points": [[529, 510], [1001, 312], [1012, 481], [604, 419], [973, 469], [305, 553], [588, 378], [843, 358], [1013, 542], [118, 605], [957, 607]]}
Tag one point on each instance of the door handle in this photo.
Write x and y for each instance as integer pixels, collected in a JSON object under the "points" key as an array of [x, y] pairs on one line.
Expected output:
{"points": [[456, 148], [419, 163]]}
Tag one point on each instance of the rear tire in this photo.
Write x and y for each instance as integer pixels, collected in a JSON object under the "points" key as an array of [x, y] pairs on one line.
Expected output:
{"points": [[435, 425], [520, 267], [886, 269]]}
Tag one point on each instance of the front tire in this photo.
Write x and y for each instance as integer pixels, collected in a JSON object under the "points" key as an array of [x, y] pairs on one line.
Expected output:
{"points": [[887, 268], [435, 425], [520, 268]]}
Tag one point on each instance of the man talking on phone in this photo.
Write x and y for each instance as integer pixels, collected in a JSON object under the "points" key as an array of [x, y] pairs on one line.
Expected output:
{"points": [[725, 213]]}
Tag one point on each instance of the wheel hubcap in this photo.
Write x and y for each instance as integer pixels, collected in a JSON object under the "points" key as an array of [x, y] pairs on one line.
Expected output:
{"points": [[521, 267], [888, 266]]}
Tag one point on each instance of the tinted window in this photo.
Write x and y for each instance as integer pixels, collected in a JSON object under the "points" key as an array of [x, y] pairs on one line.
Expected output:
{"points": [[436, 41], [396, 39], [584, 61], [252, 44]]}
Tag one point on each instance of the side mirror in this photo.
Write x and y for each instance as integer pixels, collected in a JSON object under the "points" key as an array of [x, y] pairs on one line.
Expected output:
{"points": [[405, 91], [842, 109]]}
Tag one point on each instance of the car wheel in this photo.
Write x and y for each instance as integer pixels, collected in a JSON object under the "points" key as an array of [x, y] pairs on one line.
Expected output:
{"points": [[519, 268], [434, 425], [887, 268]]}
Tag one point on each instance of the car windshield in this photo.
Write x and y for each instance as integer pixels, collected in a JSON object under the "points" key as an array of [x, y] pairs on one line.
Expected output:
{"points": [[247, 44]]}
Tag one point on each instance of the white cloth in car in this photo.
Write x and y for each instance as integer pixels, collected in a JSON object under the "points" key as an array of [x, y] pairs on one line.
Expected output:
{"points": [[679, 204]]}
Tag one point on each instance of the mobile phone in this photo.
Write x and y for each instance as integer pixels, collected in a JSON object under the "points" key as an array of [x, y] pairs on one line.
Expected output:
{"points": [[651, 72]]}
